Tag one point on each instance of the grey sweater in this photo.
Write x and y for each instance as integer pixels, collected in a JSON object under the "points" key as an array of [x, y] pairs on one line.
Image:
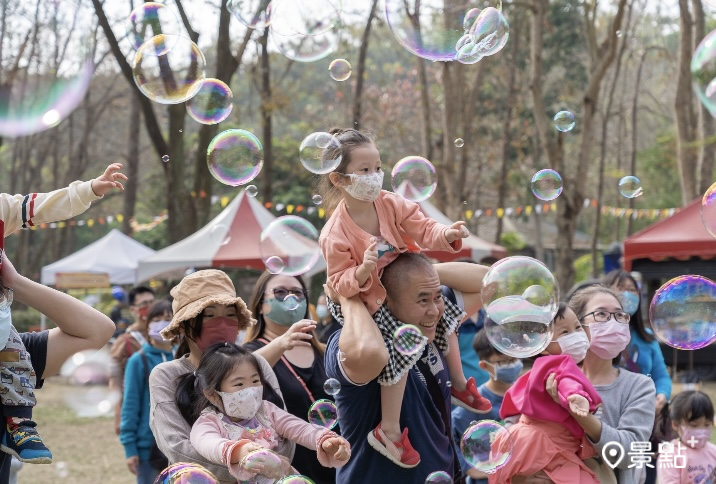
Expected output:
{"points": [[627, 415]]}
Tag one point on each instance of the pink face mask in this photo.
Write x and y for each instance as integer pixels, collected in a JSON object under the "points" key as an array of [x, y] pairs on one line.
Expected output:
{"points": [[217, 330], [695, 438], [609, 338]]}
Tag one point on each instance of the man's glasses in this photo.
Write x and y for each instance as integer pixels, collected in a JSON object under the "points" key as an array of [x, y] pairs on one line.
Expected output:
{"points": [[280, 294], [144, 304], [604, 316]]}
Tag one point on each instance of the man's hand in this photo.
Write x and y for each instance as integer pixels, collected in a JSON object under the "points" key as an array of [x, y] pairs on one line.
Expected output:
{"points": [[108, 180], [456, 231]]}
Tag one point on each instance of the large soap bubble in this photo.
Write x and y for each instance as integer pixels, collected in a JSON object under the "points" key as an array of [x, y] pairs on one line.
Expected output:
{"points": [[291, 243], [520, 296], [266, 461], [305, 17], [254, 14], [307, 48], [478, 449], [235, 157], [703, 72], [683, 312], [708, 210], [212, 103], [87, 374], [414, 178]]}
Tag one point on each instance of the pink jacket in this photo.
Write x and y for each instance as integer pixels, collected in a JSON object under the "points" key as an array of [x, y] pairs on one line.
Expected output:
{"points": [[214, 436], [403, 226], [528, 395]]}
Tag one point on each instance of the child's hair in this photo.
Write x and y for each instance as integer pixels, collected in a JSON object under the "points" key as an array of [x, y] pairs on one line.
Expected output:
{"points": [[482, 346], [350, 139], [215, 364], [159, 308], [561, 309], [686, 406]]}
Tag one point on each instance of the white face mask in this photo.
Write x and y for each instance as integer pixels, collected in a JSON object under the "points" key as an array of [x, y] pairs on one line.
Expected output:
{"points": [[575, 345], [5, 320], [242, 404], [365, 187]]}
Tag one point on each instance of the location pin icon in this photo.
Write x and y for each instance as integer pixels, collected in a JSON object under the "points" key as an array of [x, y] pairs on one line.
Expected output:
{"points": [[613, 453]]}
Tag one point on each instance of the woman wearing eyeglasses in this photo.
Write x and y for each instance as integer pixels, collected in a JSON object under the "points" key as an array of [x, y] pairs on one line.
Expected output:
{"points": [[627, 414], [285, 336]]}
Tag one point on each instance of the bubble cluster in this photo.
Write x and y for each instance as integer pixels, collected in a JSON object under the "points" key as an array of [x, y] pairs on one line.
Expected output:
{"points": [[254, 14], [409, 340], [340, 70], [564, 121], [265, 462], [251, 191], [485, 34], [235, 157], [683, 312], [169, 69], [294, 241], [630, 187], [186, 473], [439, 477], [323, 413], [320, 153], [703, 72], [149, 20], [486, 446], [708, 210], [547, 184], [414, 178], [332, 386], [212, 103], [520, 296]]}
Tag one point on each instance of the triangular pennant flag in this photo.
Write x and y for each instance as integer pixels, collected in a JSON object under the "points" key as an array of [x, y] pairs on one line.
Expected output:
{"points": [[587, 202], [468, 214], [79, 223], [500, 212], [528, 210], [120, 218], [538, 209], [61, 225], [553, 206], [53, 225], [478, 214], [488, 212], [518, 210], [509, 211], [90, 222], [110, 219], [279, 206], [289, 208], [321, 213]]}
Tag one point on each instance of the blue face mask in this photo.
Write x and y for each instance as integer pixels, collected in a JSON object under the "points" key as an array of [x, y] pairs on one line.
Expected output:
{"points": [[508, 372], [280, 312], [630, 302]]}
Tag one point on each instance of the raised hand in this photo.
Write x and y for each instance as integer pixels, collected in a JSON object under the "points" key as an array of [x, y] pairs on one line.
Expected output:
{"points": [[299, 334], [456, 231], [370, 257], [108, 180]]}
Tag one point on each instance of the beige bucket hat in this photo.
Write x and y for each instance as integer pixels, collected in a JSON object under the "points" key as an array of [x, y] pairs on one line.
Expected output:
{"points": [[199, 290]]}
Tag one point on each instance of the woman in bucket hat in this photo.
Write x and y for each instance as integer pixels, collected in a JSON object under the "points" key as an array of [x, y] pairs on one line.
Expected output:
{"points": [[206, 311]]}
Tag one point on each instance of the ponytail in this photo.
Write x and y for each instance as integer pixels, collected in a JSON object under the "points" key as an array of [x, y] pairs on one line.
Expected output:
{"points": [[189, 401], [662, 425]]}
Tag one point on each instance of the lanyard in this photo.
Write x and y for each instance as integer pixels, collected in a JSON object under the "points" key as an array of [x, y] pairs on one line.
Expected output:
{"points": [[290, 368]]}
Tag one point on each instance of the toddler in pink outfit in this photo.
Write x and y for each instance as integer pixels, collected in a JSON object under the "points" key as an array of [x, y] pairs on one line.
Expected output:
{"points": [[232, 424], [368, 229]]}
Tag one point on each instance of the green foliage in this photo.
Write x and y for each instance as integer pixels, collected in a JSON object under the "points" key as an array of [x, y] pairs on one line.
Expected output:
{"points": [[512, 241], [25, 319], [583, 267]]}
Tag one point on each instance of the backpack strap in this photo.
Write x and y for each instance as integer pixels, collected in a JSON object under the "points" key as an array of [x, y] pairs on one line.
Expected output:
{"points": [[146, 364]]}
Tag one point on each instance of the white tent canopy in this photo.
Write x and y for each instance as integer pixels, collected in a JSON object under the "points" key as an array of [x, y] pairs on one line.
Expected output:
{"points": [[115, 254]]}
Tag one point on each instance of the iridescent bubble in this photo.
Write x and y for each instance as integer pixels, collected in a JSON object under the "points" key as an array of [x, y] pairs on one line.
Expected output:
{"points": [[320, 153], [165, 158], [324, 413], [414, 178], [235, 157], [149, 20], [169, 76], [520, 296], [703, 72], [274, 264], [487, 36], [294, 241], [88, 373], [212, 104], [186, 473], [307, 48], [564, 121], [332, 386], [409, 340], [683, 312], [254, 14], [295, 479], [252, 191], [47, 63], [708, 210], [486, 446], [340, 69], [459, 142], [547, 184], [439, 477], [292, 303], [630, 187], [317, 199], [265, 462], [305, 17]]}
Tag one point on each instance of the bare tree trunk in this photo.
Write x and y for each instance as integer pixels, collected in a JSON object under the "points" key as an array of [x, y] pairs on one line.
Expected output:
{"points": [[130, 188], [266, 112], [707, 154], [360, 74]]}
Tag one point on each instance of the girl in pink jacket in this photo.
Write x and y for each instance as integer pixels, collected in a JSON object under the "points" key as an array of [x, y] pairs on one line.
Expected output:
{"points": [[234, 425], [369, 228]]}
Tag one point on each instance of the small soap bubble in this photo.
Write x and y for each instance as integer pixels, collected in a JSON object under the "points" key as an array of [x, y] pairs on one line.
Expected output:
{"points": [[294, 241], [320, 153], [252, 191], [486, 446], [564, 121], [708, 210], [235, 157], [317, 199], [340, 70], [323, 413], [439, 477], [459, 142], [291, 302], [409, 340], [341, 356], [165, 158], [220, 234], [630, 187], [332, 386], [547, 185], [414, 178], [186, 473], [274, 265]]}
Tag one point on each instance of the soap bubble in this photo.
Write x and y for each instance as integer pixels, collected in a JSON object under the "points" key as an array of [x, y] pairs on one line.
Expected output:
{"points": [[235, 157], [295, 479], [251, 191], [47, 63], [564, 121], [274, 264], [487, 35], [340, 69], [212, 103], [305, 17], [254, 14], [317, 199], [332, 386], [266, 461], [439, 477], [409, 340], [291, 302], [165, 158], [630, 187], [341, 356], [486, 446], [323, 413], [186, 473], [708, 210], [307, 48], [169, 76], [219, 234], [703, 72], [314, 147], [547, 185], [459, 142], [62, 470], [87, 373], [149, 20], [683, 312], [414, 178], [294, 241], [520, 296]]}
